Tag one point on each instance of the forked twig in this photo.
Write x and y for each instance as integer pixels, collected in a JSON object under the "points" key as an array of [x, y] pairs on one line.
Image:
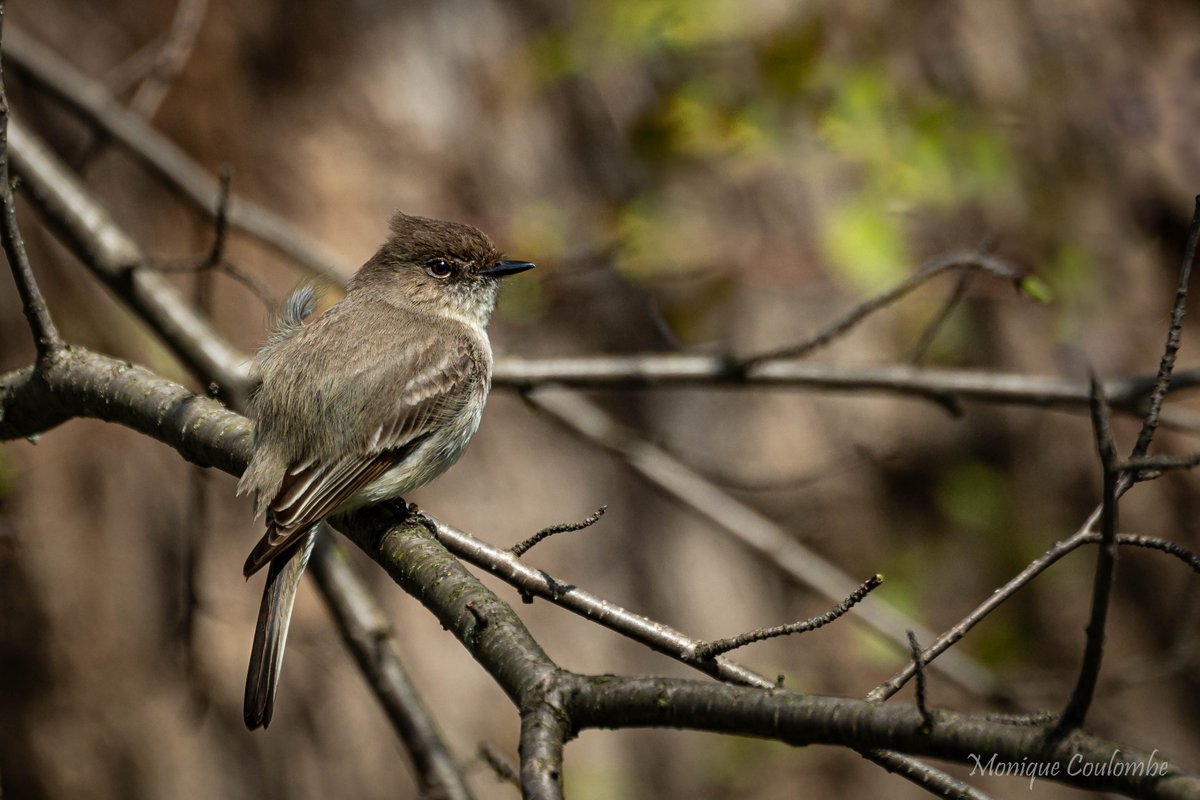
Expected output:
{"points": [[967, 261]]}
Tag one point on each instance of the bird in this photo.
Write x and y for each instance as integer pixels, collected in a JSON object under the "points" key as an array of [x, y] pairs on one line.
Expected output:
{"points": [[375, 397]]}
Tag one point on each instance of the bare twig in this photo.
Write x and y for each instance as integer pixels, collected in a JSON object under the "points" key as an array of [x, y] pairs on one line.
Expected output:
{"points": [[1167, 365], [171, 57], [45, 335], [1106, 561], [678, 369], [220, 219], [915, 649], [972, 261], [215, 260], [994, 600], [1089, 673], [961, 285], [1149, 467], [92, 100], [1154, 543], [716, 647], [745, 524], [105, 248], [521, 548], [505, 770]]}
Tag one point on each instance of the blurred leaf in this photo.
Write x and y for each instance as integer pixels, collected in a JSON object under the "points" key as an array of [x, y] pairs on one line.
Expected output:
{"points": [[1036, 289], [658, 238], [865, 245]]}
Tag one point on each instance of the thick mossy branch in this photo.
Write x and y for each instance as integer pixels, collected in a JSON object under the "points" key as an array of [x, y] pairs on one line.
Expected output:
{"points": [[79, 383]]}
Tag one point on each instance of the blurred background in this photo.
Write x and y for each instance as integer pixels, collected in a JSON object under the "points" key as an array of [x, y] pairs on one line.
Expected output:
{"points": [[697, 175]]}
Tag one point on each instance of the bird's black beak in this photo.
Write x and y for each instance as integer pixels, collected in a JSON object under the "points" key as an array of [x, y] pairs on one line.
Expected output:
{"points": [[502, 269]]}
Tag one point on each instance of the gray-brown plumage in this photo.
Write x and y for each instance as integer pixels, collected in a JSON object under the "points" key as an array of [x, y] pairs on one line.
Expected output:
{"points": [[377, 396]]}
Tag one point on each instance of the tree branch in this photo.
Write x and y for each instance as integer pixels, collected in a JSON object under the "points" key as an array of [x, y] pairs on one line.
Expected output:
{"points": [[93, 101], [965, 262], [793, 717], [369, 638], [112, 256], [45, 336], [86, 384], [747, 525]]}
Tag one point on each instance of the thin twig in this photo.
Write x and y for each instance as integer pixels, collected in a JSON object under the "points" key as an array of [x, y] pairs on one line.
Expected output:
{"points": [[521, 548], [93, 101], [104, 247], [914, 650], [215, 260], [939, 321], [1106, 557], [171, 57], [45, 335], [654, 370], [745, 524], [500, 764], [1106, 561], [1153, 466], [1155, 543], [220, 218], [369, 637], [663, 639], [941, 646], [716, 647], [1174, 333], [972, 261], [155, 67]]}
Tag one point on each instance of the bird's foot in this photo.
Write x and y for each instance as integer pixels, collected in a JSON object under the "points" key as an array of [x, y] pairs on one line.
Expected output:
{"points": [[403, 511], [395, 508]]}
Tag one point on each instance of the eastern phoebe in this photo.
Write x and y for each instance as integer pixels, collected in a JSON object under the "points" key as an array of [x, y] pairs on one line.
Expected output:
{"points": [[377, 396]]}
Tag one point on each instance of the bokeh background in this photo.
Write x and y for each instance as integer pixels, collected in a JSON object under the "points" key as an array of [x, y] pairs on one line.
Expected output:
{"points": [[708, 175]]}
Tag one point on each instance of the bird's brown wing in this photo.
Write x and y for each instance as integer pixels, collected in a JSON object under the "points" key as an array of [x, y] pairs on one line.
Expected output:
{"points": [[311, 489]]}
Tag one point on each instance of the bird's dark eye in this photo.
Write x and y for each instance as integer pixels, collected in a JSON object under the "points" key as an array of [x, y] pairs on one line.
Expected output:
{"points": [[438, 268]]}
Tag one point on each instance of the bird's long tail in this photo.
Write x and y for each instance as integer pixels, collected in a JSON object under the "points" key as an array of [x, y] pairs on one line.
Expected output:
{"points": [[270, 636]]}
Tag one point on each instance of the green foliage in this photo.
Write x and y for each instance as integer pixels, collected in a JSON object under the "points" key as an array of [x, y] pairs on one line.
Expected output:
{"points": [[866, 245], [913, 154], [658, 238], [1035, 288], [906, 153]]}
